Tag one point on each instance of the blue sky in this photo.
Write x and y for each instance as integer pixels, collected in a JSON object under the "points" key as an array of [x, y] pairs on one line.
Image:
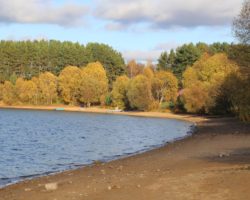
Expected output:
{"points": [[140, 29]]}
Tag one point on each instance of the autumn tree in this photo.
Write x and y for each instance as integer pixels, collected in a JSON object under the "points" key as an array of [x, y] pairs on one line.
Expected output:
{"points": [[204, 80], [241, 24], [94, 83], [48, 87], [139, 93], [195, 97], [148, 72], [9, 93], [134, 68], [165, 87], [26, 91], [69, 82], [119, 92], [111, 60], [1, 92]]}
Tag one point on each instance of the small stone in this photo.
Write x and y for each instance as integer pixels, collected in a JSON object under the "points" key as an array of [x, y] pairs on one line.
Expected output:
{"points": [[27, 189], [116, 186], [120, 168], [109, 187], [221, 155], [103, 172], [51, 186], [138, 186]]}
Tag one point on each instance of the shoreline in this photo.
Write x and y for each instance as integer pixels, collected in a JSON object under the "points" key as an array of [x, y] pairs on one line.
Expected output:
{"points": [[158, 170], [154, 114]]}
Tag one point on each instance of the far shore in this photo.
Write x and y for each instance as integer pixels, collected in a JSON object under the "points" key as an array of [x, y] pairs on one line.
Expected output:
{"points": [[213, 163], [169, 115]]}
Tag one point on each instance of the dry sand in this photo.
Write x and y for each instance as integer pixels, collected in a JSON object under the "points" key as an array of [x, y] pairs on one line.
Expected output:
{"points": [[213, 163]]}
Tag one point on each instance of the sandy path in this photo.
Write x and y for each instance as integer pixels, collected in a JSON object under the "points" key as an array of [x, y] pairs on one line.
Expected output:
{"points": [[213, 164]]}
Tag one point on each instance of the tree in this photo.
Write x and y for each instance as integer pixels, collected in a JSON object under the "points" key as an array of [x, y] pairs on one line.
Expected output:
{"points": [[139, 93], [204, 80], [134, 69], [9, 93], [69, 82], [165, 87], [1, 92], [195, 97], [48, 87], [240, 54], [119, 92], [26, 91], [186, 55], [218, 47], [149, 73], [111, 60], [171, 59], [163, 61], [241, 24], [94, 83]]}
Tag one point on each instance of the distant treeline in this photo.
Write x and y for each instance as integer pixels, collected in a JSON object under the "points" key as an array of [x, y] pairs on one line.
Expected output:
{"points": [[194, 78], [187, 54], [30, 58]]}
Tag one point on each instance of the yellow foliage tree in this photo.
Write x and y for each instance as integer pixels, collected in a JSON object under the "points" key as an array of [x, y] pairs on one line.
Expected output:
{"points": [[148, 72], [134, 69], [69, 83], [139, 93], [9, 93], [26, 91], [206, 76], [165, 86], [94, 83], [48, 87], [1, 92], [119, 92]]}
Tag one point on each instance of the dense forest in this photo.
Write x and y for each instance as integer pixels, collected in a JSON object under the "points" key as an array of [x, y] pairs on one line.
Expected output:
{"points": [[194, 78], [30, 58], [210, 83]]}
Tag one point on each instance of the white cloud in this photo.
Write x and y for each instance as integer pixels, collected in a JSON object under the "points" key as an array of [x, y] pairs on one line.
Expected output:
{"points": [[41, 11], [141, 56], [152, 54], [163, 14]]}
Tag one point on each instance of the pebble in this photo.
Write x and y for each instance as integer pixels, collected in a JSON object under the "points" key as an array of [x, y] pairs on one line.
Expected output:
{"points": [[27, 189], [51, 186], [120, 168], [221, 155]]}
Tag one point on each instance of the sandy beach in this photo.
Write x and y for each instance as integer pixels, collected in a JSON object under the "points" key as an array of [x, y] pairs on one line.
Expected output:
{"points": [[213, 163]]}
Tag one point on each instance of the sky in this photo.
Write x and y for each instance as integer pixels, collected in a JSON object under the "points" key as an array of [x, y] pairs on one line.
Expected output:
{"points": [[139, 29]]}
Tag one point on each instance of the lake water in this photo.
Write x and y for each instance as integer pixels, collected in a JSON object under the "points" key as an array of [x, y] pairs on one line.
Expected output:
{"points": [[35, 143]]}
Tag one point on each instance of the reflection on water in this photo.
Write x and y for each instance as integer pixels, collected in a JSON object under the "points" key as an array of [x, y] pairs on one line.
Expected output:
{"points": [[35, 143]]}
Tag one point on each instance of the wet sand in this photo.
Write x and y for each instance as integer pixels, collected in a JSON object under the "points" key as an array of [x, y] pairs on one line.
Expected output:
{"points": [[213, 163]]}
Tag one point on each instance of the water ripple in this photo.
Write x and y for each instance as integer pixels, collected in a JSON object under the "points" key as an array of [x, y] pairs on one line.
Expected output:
{"points": [[34, 143]]}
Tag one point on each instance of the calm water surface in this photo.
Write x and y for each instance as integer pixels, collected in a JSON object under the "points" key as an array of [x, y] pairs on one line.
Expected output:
{"points": [[34, 143]]}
